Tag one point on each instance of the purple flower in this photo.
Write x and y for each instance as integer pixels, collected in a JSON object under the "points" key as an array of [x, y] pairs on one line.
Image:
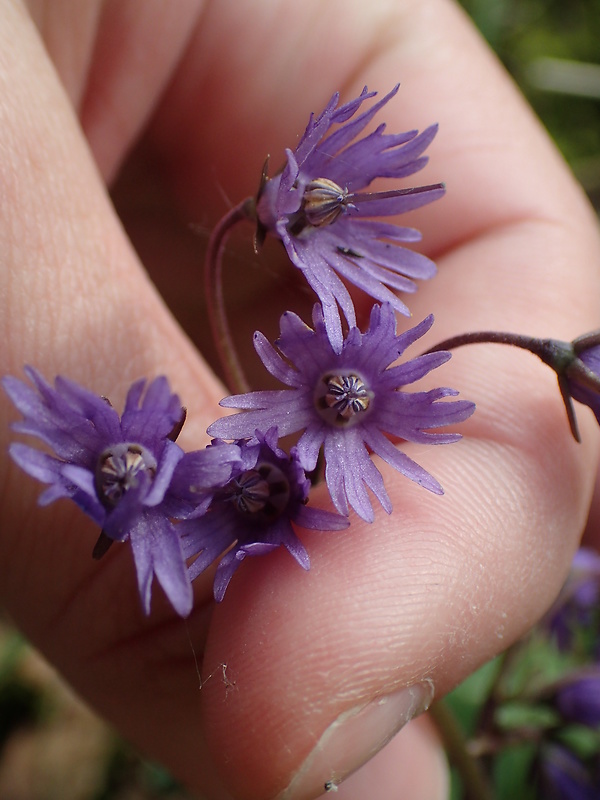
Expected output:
{"points": [[576, 608], [583, 374], [347, 401], [253, 513], [578, 697], [316, 206], [120, 471], [564, 777]]}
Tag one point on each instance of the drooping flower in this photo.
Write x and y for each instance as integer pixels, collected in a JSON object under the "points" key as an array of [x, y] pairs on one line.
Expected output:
{"points": [[317, 207], [347, 402], [583, 374], [576, 363], [253, 513], [127, 473]]}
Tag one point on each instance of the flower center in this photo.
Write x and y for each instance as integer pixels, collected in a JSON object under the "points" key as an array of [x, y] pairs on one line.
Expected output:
{"points": [[344, 400], [119, 469], [261, 494], [323, 201]]}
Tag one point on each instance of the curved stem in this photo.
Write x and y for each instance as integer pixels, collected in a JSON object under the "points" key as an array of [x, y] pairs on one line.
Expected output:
{"points": [[213, 276], [475, 781], [558, 355], [546, 349]]}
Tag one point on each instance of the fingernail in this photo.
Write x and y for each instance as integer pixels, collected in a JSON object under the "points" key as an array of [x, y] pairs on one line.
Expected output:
{"points": [[354, 738]]}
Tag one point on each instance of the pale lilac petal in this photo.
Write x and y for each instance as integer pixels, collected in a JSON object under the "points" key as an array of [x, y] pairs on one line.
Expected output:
{"points": [[273, 361], [157, 551], [348, 233], [317, 519], [171, 456], [35, 463], [81, 478], [401, 462], [411, 371], [260, 399], [288, 416], [343, 136], [310, 443]]}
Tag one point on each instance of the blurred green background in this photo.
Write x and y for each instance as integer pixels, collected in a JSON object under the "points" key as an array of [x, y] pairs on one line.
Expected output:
{"points": [[53, 748], [552, 49]]}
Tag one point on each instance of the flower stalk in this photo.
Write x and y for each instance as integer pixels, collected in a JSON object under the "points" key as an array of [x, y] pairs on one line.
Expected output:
{"points": [[475, 781], [576, 363], [234, 376]]}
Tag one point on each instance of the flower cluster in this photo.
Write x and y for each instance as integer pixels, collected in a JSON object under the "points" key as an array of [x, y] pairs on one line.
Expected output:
{"points": [[346, 394], [347, 397]]}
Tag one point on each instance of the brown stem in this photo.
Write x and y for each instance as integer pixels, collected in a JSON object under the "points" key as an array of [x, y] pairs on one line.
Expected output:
{"points": [[475, 781], [213, 275]]}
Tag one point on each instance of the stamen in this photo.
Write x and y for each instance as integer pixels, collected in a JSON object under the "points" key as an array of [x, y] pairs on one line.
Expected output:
{"points": [[323, 201], [261, 493], [347, 396], [119, 469]]}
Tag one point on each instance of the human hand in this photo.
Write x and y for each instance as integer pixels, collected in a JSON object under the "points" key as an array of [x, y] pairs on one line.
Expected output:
{"points": [[420, 597]]}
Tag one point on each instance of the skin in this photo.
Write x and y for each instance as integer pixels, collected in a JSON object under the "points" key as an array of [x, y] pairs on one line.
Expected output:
{"points": [[174, 107]]}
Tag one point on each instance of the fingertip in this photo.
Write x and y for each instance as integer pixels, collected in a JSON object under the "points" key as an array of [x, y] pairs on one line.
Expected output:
{"points": [[412, 766]]}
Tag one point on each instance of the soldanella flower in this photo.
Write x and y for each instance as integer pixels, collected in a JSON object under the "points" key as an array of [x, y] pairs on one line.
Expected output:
{"points": [[252, 514], [317, 206], [583, 373], [126, 472], [349, 402]]}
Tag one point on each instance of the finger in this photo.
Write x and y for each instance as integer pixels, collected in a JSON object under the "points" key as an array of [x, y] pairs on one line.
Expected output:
{"points": [[75, 301], [411, 765], [136, 50], [114, 59]]}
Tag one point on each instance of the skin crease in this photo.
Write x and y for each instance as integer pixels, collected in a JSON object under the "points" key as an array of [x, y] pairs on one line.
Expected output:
{"points": [[191, 97]]}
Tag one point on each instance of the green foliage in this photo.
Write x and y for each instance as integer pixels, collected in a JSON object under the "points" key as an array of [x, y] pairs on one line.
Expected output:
{"points": [[512, 773], [584, 742], [507, 715], [467, 700]]}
